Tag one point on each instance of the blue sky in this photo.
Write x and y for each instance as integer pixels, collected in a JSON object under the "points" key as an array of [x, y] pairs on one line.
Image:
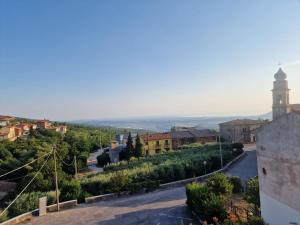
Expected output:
{"points": [[67, 60]]}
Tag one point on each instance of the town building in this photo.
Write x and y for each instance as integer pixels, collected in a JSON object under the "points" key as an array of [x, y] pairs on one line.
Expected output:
{"points": [[44, 124], [188, 135], [6, 120], [156, 143], [240, 130], [9, 133], [281, 96], [278, 158], [115, 150]]}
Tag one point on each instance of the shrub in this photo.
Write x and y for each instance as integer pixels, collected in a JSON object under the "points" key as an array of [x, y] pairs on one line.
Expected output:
{"points": [[119, 182], [205, 203], [214, 206], [25, 203], [237, 184], [255, 220], [103, 159], [70, 190], [252, 192], [4, 216], [219, 184], [238, 145]]}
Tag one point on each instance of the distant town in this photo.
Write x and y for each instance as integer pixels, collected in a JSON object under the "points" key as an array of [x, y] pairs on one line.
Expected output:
{"points": [[11, 129]]}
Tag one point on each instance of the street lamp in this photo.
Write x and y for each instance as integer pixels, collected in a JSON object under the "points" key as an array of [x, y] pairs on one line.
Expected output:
{"points": [[220, 149], [204, 163]]}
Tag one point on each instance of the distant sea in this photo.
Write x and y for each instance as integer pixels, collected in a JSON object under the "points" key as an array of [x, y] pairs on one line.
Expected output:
{"points": [[161, 124]]}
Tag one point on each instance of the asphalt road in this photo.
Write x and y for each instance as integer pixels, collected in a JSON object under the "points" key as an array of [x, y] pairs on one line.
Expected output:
{"points": [[165, 207]]}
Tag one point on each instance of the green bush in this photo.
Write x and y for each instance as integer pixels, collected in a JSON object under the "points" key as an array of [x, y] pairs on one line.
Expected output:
{"points": [[219, 184], [25, 203], [4, 217], [252, 193], [255, 220], [237, 184], [214, 206], [70, 190], [205, 203], [103, 159]]}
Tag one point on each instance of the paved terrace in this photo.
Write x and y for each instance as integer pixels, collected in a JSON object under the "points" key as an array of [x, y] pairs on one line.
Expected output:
{"points": [[163, 207]]}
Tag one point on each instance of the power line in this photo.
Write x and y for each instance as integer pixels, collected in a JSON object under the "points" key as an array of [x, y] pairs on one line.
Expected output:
{"points": [[67, 164], [16, 178], [2, 213], [24, 165]]}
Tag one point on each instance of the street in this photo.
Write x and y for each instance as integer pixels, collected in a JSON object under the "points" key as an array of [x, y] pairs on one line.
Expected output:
{"points": [[163, 207]]}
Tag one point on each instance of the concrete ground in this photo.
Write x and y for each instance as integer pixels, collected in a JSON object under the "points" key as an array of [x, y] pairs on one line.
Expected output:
{"points": [[163, 207]]}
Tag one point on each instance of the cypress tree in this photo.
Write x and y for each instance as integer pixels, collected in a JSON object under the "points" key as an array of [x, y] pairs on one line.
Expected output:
{"points": [[138, 147]]}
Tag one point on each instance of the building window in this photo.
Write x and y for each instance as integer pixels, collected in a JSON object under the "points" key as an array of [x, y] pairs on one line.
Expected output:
{"points": [[166, 142], [146, 143], [157, 143], [264, 171]]}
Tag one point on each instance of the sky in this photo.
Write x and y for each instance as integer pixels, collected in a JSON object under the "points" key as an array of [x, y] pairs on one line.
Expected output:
{"points": [[104, 59]]}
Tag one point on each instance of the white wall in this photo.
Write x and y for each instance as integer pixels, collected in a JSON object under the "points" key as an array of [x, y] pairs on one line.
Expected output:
{"points": [[276, 213]]}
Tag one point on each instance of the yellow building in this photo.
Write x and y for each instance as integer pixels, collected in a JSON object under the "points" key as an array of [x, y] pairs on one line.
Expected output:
{"points": [[156, 143], [8, 133]]}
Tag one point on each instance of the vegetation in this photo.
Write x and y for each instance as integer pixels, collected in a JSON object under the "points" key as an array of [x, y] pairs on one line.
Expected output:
{"points": [[208, 200], [28, 202], [147, 173], [237, 184], [103, 159], [3, 217], [79, 141], [206, 203], [219, 185], [70, 190], [138, 151], [252, 193], [131, 150]]}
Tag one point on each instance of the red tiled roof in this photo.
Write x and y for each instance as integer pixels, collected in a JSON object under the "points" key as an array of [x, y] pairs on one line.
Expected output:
{"points": [[6, 118], [156, 136]]}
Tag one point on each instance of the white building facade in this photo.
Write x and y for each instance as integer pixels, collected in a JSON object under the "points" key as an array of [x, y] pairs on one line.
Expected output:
{"points": [[278, 159]]}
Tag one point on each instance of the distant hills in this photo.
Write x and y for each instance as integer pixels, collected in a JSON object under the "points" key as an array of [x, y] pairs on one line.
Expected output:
{"points": [[161, 124]]}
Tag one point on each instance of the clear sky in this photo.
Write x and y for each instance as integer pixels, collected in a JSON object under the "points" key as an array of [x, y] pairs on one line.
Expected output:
{"points": [[96, 59]]}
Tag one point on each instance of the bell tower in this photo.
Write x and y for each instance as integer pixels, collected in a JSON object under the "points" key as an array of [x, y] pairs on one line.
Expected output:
{"points": [[280, 95]]}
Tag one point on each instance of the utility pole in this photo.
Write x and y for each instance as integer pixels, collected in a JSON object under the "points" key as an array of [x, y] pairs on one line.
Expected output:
{"points": [[100, 141], [220, 148], [75, 165], [56, 182]]}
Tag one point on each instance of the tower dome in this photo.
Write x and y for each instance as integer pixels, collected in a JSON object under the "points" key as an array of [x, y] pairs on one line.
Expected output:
{"points": [[280, 75]]}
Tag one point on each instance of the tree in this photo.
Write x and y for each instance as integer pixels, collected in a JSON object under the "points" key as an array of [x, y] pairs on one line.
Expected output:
{"points": [[129, 145], [128, 152], [138, 147], [103, 159]]}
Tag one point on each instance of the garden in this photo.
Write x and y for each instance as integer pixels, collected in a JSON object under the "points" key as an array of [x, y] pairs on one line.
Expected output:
{"points": [[146, 173]]}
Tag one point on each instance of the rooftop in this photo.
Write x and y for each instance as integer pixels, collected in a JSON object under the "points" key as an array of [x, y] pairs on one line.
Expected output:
{"points": [[6, 118], [280, 75], [243, 122], [295, 108]]}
